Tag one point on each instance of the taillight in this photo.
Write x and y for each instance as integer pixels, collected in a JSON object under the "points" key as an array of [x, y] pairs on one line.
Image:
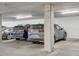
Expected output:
{"points": [[41, 30]]}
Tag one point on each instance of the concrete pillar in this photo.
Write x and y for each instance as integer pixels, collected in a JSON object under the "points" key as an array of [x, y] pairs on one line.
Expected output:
{"points": [[49, 27], [0, 28]]}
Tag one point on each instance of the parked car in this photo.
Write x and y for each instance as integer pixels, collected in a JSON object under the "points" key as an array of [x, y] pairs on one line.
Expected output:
{"points": [[7, 34], [4, 36], [19, 30], [59, 33], [36, 33], [3, 28], [20, 33]]}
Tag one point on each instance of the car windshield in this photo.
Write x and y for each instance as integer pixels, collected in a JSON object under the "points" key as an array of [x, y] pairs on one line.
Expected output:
{"points": [[36, 26], [57, 26], [18, 28]]}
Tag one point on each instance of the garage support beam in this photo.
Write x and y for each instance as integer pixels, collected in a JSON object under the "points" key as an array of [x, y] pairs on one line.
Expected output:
{"points": [[0, 28], [49, 27]]}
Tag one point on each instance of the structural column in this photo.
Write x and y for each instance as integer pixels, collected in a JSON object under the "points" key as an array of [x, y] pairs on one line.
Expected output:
{"points": [[0, 28], [49, 27]]}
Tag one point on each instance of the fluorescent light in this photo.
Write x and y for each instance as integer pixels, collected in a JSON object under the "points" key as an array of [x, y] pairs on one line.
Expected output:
{"points": [[69, 11], [22, 16]]}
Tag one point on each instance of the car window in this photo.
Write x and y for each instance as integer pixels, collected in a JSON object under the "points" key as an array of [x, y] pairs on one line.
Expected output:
{"points": [[18, 28], [58, 27], [36, 27]]}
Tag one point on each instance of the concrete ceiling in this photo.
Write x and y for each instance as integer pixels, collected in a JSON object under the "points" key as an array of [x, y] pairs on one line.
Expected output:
{"points": [[60, 6], [12, 9], [8, 9]]}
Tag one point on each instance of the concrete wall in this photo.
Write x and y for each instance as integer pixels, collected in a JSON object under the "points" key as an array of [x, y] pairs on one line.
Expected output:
{"points": [[70, 24], [14, 23]]}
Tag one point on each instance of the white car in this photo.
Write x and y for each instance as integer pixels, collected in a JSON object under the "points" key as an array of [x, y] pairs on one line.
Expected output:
{"points": [[36, 33], [7, 34]]}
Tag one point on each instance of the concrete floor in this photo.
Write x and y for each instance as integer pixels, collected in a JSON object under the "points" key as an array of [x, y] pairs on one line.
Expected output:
{"points": [[23, 48]]}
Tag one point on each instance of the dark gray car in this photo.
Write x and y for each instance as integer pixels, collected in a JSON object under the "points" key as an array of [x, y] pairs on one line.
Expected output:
{"points": [[59, 33]]}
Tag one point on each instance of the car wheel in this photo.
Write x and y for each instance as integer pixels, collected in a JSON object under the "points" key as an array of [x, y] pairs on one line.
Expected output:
{"points": [[65, 36], [17, 38], [3, 39]]}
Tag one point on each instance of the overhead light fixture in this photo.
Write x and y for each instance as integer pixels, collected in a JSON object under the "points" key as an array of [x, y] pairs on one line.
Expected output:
{"points": [[22, 16], [69, 11]]}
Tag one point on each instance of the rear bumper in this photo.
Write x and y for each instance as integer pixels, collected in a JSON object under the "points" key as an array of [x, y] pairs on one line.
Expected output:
{"points": [[36, 39], [18, 37]]}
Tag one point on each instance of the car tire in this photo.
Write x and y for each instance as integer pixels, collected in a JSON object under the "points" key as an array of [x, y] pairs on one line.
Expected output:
{"points": [[65, 36], [17, 38], [3, 39]]}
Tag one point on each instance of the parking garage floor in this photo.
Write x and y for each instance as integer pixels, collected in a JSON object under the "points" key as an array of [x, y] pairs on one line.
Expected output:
{"points": [[23, 48]]}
